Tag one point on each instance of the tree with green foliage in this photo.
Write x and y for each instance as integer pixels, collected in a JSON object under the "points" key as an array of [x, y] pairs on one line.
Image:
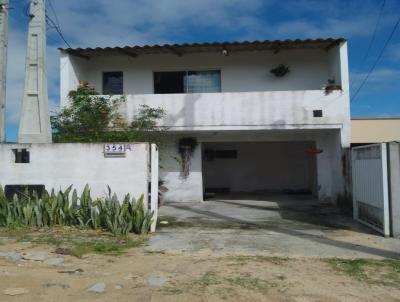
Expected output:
{"points": [[90, 117]]}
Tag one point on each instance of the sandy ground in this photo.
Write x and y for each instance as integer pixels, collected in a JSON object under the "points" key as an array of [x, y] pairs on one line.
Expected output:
{"points": [[240, 250], [200, 276]]}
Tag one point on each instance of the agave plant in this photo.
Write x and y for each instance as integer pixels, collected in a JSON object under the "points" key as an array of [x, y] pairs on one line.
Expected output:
{"points": [[63, 209]]}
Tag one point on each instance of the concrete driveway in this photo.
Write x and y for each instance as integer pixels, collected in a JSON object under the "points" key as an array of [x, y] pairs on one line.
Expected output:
{"points": [[267, 225]]}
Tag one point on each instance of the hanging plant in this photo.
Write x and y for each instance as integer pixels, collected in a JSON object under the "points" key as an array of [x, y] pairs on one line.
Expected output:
{"points": [[280, 70], [186, 149], [331, 86]]}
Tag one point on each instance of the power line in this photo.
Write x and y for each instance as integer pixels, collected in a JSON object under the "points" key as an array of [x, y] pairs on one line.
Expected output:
{"points": [[56, 25], [58, 30], [372, 40], [54, 12], [375, 31], [377, 59], [49, 21]]}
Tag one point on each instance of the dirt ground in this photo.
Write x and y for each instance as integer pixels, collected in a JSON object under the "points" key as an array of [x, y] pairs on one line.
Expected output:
{"points": [[193, 276]]}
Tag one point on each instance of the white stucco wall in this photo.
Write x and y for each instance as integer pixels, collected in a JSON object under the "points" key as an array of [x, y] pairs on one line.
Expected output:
{"points": [[331, 181], [252, 101], [247, 110], [240, 71], [180, 189], [251, 96], [72, 70], [60, 165]]}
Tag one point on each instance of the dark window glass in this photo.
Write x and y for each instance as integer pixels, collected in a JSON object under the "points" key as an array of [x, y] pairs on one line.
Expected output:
{"points": [[113, 82], [21, 156], [317, 113], [169, 82], [187, 81]]}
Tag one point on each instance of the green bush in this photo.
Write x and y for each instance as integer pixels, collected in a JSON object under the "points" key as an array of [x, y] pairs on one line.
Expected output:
{"points": [[90, 117], [64, 208]]}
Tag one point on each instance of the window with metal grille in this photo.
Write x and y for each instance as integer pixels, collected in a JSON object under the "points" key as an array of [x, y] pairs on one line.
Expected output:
{"points": [[113, 82], [22, 156]]}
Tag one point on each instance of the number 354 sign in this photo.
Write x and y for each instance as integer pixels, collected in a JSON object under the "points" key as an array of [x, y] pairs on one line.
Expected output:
{"points": [[116, 150]]}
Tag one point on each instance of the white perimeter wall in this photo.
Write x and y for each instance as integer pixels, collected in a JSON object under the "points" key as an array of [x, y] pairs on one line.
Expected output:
{"points": [[61, 165]]}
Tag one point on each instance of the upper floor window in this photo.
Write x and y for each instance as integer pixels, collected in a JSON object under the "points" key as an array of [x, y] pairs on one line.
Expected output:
{"points": [[113, 82], [187, 81]]}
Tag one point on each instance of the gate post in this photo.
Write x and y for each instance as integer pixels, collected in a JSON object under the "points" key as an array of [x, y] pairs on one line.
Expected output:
{"points": [[385, 180], [154, 186], [394, 187]]}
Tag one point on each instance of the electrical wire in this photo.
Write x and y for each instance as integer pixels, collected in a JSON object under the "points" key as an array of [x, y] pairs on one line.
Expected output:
{"points": [[377, 59], [372, 40], [58, 30], [375, 31], [49, 21], [54, 12]]}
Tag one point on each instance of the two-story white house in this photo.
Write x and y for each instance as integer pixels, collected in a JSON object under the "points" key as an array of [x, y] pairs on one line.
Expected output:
{"points": [[268, 116]]}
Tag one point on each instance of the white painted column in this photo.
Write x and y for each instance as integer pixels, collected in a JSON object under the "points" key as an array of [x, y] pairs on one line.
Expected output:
{"points": [[34, 124], [154, 186], [3, 65], [329, 167]]}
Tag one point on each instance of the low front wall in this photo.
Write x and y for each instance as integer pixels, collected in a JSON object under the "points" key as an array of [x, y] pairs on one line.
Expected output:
{"points": [[60, 165]]}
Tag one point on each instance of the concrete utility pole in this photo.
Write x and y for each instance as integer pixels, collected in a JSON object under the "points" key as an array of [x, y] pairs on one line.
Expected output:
{"points": [[3, 65], [34, 124]]}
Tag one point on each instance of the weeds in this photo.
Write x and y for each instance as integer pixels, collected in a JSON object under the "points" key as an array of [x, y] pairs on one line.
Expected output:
{"points": [[75, 242], [250, 283], [242, 260], [379, 272], [221, 284]]}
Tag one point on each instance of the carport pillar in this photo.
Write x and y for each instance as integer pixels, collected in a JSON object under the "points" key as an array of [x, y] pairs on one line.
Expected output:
{"points": [[329, 167]]}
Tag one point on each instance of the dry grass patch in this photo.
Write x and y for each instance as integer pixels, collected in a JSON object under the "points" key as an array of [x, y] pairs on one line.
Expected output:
{"points": [[74, 241], [375, 272]]}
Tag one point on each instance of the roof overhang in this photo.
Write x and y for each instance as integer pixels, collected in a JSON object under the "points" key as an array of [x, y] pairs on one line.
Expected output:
{"points": [[222, 47]]}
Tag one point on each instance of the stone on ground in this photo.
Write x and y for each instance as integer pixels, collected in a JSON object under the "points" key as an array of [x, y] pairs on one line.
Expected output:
{"points": [[97, 288], [55, 261], [35, 256], [11, 256], [156, 281], [15, 291]]}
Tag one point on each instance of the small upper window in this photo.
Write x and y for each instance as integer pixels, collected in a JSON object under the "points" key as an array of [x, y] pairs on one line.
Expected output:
{"points": [[113, 82], [21, 156]]}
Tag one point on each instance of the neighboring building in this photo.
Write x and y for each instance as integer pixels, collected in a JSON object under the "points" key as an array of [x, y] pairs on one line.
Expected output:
{"points": [[256, 132], [375, 130]]}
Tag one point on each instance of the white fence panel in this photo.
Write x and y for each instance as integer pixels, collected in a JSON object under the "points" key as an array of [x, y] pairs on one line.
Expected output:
{"points": [[370, 187]]}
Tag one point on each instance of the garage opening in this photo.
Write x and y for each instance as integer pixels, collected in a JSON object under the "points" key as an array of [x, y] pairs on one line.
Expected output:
{"points": [[259, 167]]}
